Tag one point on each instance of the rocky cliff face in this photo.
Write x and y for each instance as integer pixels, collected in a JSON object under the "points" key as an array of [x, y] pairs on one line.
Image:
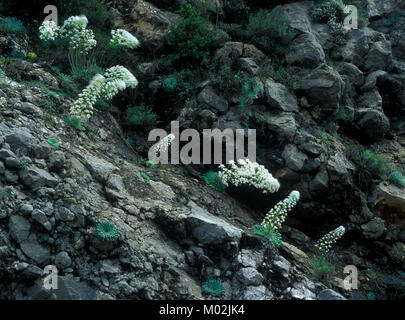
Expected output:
{"points": [[176, 232]]}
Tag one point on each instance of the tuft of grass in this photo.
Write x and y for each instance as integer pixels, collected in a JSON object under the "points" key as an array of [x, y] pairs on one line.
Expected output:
{"points": [[267, 29], [145, 177], [397, 179], [213, 180], [3, 195], [370, 161], [190, 38], [149, 164], [74, 123], [107, 231], [371, 296], [320, 267], [273, 236], [169, 84], [12, 25], [213, 287], [140, 116], [24, 164], [83, 69], [53, 142]]}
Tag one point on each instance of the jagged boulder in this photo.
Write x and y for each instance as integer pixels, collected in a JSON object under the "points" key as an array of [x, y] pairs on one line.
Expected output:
{"points": [[353, 73], [355, 49], [297, 14], [379, 57], [235, 50], [278, 97], [372, 124], [370, 100], [305, 51], [210, 230], [150, 24], [323, 88], [209, 98]]}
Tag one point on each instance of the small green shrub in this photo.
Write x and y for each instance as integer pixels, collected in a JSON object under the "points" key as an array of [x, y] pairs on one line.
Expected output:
{"points": [[140, 116], [187, 81], [373, 162], [53, 142], [149, 164], [190, 38], [213, 287], [273, 236], [145, 177], [328, 10], [320, 268], [212, 180], [24, 164], [169, 84], [74, 122], [250, 89], [53, 94], [267, 29], [397, 179], [12, 25], [49, 106], [371, 296], [4, 62], [107, 231]]}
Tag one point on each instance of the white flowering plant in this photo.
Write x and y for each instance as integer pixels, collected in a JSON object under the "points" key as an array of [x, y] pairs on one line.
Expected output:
{"points": [[81, 39], [328, 240], [82, 108], [249, 173], [73, 25], [161, 147], [48, 31], [105, 87], [122, 38], [277, 215], [271, 224]]}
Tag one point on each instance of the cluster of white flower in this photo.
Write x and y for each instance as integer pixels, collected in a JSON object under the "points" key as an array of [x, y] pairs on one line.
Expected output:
{"points": [[102, 87], [122, 38], [276, 216], [83, 106], [161, 147], [325, 243], [247, 172], [81, 39], [121, 73], [117, 78], [73, 25], [48, 30], [165, 143]]}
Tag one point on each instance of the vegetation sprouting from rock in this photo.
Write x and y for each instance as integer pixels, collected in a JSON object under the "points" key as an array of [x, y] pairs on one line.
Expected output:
{"points": [[107, 231]]}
